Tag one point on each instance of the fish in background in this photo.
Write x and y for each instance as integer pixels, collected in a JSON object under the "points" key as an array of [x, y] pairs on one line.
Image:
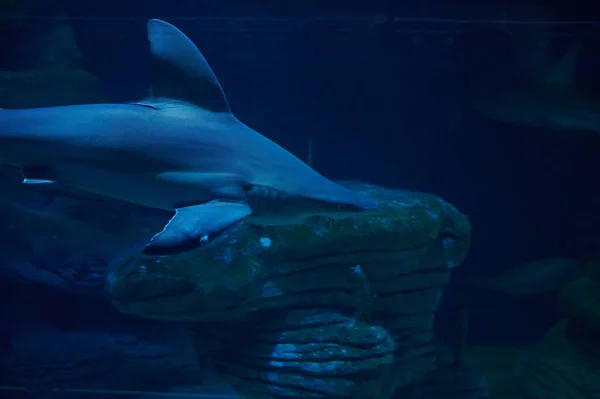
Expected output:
{"points": [[540, 93], [540, 276], [552, 103]]}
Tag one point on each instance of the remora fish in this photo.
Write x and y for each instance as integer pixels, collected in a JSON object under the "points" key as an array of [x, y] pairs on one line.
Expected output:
{"points": [[181, 149], [551, 102]]}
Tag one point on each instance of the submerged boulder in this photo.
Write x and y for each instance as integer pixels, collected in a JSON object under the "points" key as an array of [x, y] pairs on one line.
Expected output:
{"points": [[560, 367], [579, 300], [566, 364], [339, 264], [334, 308]]}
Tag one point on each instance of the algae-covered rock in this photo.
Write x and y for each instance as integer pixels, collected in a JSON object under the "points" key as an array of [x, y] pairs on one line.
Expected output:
{"points": [[579, 300], [337, 308], [559, 368], [449, 382], [566, 364], [304, 350], [333, 263]]}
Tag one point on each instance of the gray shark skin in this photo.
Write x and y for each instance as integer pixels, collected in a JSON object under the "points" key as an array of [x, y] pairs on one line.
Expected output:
{"points": [[551, 102], [180, 149]]}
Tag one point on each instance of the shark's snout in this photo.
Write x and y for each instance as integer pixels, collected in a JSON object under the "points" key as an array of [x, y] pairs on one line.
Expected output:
{"points": [[368, 204], [363, 202]]}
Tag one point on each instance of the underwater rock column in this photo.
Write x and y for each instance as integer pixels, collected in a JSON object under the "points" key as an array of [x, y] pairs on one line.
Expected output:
{"points": [[336, 309]]}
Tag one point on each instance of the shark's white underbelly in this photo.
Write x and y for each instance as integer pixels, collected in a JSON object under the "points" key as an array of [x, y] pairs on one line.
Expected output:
{"points": [[141, 190]]}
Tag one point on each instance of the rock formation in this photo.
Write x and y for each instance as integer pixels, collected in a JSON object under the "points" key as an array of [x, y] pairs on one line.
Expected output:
{"points": [[336, 309], [566, 364]]}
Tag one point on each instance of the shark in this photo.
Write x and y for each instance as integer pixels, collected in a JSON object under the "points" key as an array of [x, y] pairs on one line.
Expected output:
{"points": [[540, 276], [180, 149], [548, 101]]}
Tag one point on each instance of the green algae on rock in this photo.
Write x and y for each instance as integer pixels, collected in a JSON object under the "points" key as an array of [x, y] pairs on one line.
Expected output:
{"points": [[300, 353], [332, 309], [328, 263], [559, 367]]}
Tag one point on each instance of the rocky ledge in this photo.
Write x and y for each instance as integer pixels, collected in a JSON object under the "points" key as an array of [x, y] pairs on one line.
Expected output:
{"points": [[338, 308]]}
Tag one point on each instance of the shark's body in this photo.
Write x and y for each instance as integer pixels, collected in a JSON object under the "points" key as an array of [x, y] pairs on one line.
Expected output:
{"points": [[542, 108], [549, 100], [181, 149], [535, 277]]}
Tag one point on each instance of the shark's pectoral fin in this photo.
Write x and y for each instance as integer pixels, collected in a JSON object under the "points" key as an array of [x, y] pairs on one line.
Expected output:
{"points": [[37, 175], [195, 226], [180, 72], [37, 181]]}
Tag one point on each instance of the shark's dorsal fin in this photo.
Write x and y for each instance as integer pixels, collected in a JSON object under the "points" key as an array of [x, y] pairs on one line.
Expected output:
{"points": [[562, 74], [180, 72]]}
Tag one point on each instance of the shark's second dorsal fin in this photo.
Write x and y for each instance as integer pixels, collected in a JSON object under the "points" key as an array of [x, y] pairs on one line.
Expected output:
{"points": [[180, 72], [562, 74]]}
